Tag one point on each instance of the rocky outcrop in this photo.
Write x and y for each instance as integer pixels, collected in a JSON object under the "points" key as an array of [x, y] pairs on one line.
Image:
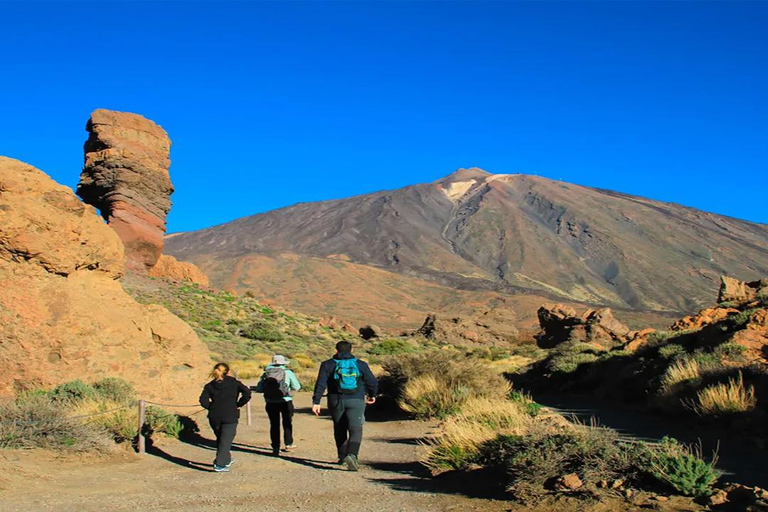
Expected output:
{"points": [[171, 269], [560, 323], [495, 326], [740, 292], [64, 314], [125, 176]]}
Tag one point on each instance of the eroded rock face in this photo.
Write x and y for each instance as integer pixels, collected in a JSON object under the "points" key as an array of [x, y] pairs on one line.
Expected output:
{"points": [[64, 314], [171, 269], [560, 323], [125, 176]]}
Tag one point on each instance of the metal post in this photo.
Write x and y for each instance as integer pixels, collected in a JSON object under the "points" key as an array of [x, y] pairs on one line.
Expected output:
{"points": [[142, 419], [248, 413]]}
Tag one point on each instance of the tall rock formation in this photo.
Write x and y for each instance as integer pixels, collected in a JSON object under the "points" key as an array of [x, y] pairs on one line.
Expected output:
{"points": [[126, 177], [64, 314]]}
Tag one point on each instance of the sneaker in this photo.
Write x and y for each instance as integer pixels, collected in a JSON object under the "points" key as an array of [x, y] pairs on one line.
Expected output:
{"points": [[220, 469], [232, 461], [289, 447], [275, 452], [351, 462]]}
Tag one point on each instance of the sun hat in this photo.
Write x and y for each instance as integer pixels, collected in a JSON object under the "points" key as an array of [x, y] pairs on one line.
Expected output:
{"points": [[279, 360]]}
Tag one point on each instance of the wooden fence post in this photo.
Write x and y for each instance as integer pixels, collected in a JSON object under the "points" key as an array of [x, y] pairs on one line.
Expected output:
{"points": [[142, 419], [248, 413]]}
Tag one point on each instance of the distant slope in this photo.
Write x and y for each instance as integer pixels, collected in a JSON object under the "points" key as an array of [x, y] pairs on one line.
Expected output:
{"points": [[509, 234]]}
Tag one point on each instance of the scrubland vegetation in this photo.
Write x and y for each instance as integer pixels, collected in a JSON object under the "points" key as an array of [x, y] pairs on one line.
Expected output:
{"points": [[80, 417], [486, 424]]}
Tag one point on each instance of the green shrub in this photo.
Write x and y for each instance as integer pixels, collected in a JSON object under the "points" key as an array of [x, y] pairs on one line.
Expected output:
{"points": [[391, 346], [672, 351], [262, 331], [73, 391], [531, 407], [115, 389], [162, 422], [681, 468], [570, 362], [732, 351]]}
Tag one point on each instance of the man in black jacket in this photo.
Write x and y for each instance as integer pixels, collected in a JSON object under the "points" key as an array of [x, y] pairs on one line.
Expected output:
{"points": [[346, 403], [222, 397]]}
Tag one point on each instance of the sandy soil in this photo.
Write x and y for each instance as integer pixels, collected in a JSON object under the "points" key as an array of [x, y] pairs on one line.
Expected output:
{"points": [[178, 476]]}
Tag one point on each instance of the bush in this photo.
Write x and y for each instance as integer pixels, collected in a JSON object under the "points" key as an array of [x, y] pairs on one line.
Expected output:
{"points": [[435, 384], [723, 399], [682, 468], [391, 347], [159, 421], [569, 362], [679, 373], [672, 351], [531, 407], [115, 389], [73, 391]]}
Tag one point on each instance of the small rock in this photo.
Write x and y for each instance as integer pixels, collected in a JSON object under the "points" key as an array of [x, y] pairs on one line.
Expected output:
{"points": [[569, 482], [718, 498], [661, 498], [617, 483]]}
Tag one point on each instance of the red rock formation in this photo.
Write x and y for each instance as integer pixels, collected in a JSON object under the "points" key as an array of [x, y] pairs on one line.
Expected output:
{"points": [[740, 292], [126, 177], [171, 269], [495, 326], [64, 314]]}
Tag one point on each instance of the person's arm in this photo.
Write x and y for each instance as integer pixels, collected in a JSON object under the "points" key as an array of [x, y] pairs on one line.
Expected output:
{"points": [[245, 394], [322, 382], [369, 380], [205, 398], [293, 381]]}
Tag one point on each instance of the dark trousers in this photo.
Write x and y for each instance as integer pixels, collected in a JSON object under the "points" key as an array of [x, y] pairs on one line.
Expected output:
{"points": [[225, 434], [275, 411], [348, 416]]}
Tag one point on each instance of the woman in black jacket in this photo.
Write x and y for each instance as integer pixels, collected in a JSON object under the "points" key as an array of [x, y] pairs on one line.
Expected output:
{"points": [[223, 397]]}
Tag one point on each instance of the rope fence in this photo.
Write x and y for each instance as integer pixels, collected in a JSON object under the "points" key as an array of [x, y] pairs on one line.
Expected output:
{"points": [[142, 405]]}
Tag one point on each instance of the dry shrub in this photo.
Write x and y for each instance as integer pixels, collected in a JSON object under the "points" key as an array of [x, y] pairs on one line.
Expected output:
{"points": [[302, 361], [461, 436], [251, 368], [725, 398], [435, 384], [680, 372]]}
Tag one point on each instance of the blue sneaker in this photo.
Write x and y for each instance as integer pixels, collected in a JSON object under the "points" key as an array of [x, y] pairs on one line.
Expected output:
{"points": [[232, 461], [220, 469]]}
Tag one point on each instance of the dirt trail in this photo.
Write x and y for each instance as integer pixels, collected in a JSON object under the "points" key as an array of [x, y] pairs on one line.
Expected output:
{"points": [[178, 476]]}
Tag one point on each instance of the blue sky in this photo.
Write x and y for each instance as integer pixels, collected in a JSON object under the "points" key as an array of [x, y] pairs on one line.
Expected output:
{"points": [[270, 104]]}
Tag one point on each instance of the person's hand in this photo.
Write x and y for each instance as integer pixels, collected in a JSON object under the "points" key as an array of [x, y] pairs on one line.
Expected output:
{"points": [[316, 409], [370, 400]]}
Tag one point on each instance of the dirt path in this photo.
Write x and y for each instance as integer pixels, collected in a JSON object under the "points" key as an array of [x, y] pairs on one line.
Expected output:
{"points": [[178, 476]]}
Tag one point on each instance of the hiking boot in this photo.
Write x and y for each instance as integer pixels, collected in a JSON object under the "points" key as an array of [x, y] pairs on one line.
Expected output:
{"points": [[275, 452], [220, 469], [351, 462]]}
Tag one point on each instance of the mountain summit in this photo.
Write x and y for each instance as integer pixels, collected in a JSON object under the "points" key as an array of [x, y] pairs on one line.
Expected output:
{"points": [[504, 233]]}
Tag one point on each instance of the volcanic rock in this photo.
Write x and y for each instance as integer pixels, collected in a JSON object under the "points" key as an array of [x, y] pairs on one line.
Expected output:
{"points": [[125, 176], [64, 315], [560, 323], [741, 292], [171, 269]]}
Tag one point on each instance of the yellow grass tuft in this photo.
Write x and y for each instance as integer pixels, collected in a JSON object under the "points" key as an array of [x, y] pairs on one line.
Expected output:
{"points": [[679, 372], [729, 398]]}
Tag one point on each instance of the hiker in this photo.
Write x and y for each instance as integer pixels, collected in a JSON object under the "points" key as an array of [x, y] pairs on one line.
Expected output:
{"points": [[351, 385], [278, 384], [223, 397]]}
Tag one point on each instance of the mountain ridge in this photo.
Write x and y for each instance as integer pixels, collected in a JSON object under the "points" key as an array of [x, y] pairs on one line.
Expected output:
{"points": [[509, 234]]}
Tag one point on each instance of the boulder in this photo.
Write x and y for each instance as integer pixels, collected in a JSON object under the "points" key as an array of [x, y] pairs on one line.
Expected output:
{"points": [[741, 292], [171, 269], [703, 318], [126, 177], [369, 332], [64, 314], [560, 323]]}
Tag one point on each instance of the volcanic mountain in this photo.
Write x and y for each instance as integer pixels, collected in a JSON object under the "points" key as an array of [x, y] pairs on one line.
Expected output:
{"points": [[473, 236]]}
